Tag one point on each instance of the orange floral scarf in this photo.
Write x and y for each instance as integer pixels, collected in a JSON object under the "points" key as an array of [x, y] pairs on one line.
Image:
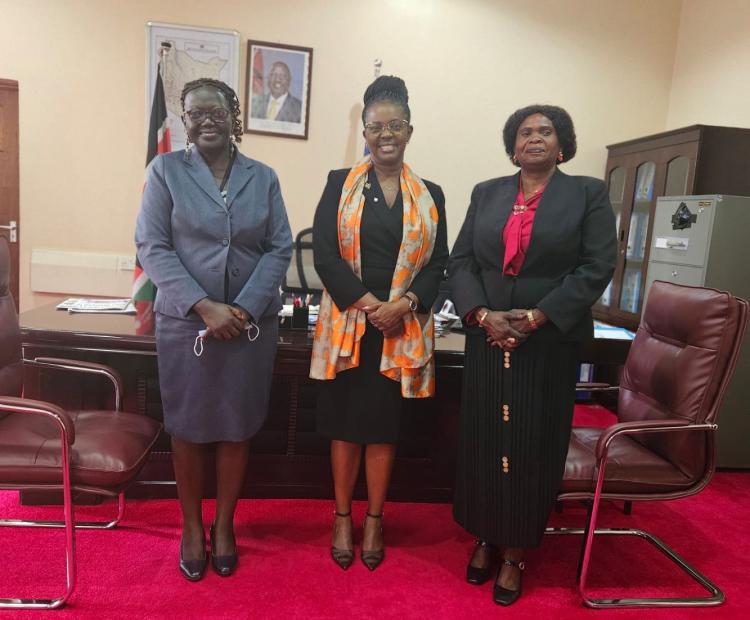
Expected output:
{"points": [[407, 358]]}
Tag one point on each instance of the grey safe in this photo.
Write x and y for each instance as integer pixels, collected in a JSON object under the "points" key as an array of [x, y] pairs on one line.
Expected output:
{"points": [[705, 241]]}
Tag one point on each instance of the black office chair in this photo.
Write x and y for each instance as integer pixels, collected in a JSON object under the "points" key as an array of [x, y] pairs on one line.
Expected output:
{"points": [[301, 277]]}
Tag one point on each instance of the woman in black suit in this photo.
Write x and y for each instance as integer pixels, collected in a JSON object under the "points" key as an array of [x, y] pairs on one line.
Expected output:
{"points": [[535, 252]]}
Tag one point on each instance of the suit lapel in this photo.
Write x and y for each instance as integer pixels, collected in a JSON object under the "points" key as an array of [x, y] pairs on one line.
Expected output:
{"points": [[501, 206], [243, 171], [198, 170]]}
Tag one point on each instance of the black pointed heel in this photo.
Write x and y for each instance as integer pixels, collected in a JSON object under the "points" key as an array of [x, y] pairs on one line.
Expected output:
{"points": [[372, 559], [476, 575], [503, 596], [193, 570], [223, 565], [342, 557]]}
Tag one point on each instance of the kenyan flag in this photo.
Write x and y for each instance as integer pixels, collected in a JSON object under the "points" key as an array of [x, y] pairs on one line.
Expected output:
{"points": [[144, 291]]}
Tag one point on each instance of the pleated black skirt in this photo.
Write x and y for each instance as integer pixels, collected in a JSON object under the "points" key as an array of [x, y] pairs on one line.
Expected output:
{"points": [[361, 405], [516, 415]]}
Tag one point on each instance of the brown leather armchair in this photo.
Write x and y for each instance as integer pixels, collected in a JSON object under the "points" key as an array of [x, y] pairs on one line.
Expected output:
{"points": [[662, 447], [43, 446]]}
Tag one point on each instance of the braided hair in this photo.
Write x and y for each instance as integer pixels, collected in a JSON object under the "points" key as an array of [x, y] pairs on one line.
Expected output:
{"points": [[390, 89], [229, 95]]}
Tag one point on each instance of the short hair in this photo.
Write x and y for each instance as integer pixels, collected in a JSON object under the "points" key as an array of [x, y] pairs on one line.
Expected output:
{"points": [[229, 95], [563, 124], [280, 63], [388, 89]]}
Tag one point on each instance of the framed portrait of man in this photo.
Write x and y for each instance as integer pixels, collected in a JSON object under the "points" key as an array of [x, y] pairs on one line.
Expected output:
{"points": [[277, 99]]}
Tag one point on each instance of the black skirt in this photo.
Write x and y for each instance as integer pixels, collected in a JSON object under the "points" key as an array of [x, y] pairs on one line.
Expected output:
{"points": [[361, 405], [515, 428]]}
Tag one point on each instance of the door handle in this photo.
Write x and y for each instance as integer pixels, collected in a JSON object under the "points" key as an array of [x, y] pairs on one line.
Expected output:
{"points": [[13, 228]]}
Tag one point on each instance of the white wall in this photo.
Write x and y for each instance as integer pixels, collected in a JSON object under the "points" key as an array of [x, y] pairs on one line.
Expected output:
{"points": [[468, 64], [711, 83]]}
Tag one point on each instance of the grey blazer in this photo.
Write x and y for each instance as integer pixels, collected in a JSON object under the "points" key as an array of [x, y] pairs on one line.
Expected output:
{"points": [[189, 241], [569, 262]]}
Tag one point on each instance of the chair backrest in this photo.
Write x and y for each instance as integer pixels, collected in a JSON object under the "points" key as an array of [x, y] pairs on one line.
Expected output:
{"points": [[301, 276], [11, 370], [680, 365]]}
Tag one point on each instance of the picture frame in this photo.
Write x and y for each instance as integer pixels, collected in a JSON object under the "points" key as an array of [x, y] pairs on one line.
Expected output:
{"points": [[277, 89], [194, 52]]}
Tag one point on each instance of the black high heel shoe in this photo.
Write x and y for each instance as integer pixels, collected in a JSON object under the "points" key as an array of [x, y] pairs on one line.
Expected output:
{"points": [[372, 559], [476, 575], [503, 596], [193, 570], [343, 557], [223, 565]]}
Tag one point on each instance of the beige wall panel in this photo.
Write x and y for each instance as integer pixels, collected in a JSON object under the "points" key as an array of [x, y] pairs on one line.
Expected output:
{"points": [[468, 64], [711, 83]]}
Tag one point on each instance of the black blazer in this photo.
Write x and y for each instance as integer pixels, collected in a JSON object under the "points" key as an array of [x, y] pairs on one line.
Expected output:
{"points": [[337, 276], [569, 262]]}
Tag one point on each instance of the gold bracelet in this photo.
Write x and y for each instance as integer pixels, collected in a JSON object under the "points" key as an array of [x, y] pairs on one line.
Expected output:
{"points": [[532, 321], [482, 317]]}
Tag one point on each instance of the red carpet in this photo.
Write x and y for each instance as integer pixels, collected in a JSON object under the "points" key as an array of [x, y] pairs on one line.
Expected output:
{"points": [[286, 572]]}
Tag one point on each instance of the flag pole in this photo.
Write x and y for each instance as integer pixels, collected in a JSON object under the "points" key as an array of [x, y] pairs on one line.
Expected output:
{"points": [[163, 51], [159, 141]]}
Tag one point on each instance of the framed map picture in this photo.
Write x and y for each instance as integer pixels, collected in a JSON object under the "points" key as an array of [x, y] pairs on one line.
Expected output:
{"points": [[277, 99], [192, 53]]}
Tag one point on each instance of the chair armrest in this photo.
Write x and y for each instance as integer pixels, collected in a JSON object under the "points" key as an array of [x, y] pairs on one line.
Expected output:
{"points": [[12, 404], [593, 386], [645, 426], [81, 366]]}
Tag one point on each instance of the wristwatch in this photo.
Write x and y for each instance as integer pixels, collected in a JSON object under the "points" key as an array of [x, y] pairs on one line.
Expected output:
{"points": [[413, 305]]}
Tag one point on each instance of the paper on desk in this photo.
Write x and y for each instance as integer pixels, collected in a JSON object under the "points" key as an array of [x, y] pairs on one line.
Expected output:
{"points": [[602, 330], [98, 306], [288, 310], [446, 316]]}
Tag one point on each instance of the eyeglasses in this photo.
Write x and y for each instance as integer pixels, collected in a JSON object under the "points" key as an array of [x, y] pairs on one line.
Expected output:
{"points": [[395, 126], [218, 115]]}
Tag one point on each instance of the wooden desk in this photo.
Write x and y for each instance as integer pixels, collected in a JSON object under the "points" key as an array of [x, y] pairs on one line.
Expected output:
{"points": [[288, 457]]}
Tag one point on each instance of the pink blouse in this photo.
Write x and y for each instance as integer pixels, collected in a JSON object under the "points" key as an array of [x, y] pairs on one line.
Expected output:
{"points": [[517, 231]]}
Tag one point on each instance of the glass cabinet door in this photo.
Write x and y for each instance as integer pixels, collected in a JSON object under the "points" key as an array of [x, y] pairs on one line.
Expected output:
{"points": [[616, 197], [678, 170], [630, 296]]}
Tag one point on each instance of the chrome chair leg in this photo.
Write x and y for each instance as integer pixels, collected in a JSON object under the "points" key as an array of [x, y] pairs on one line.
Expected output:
{"points": [[716, 595], [70, 543], [79, 525]]}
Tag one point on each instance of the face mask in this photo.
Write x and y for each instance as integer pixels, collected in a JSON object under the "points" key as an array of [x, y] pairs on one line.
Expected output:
{"points": [[252, 330]]}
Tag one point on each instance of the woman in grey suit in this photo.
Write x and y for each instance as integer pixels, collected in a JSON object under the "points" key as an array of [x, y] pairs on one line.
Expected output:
{"points": [[535, 252], [213, 235]]}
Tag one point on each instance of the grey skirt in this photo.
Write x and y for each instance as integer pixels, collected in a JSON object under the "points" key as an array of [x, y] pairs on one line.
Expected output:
{"points": [[221, 395]]}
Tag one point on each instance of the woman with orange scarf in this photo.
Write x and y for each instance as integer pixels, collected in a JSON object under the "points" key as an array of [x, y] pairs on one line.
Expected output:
{"points": [[380, 249]]}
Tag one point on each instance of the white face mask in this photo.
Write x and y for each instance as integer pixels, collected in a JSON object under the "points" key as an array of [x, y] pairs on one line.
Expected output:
{"points": [[252, 330]]}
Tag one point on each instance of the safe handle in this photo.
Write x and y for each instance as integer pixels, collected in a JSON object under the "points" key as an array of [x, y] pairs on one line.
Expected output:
{"points": [[13, 228]]}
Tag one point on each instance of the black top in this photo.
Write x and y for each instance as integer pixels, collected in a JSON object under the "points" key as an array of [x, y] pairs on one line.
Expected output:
{"points": [[380, 239]]}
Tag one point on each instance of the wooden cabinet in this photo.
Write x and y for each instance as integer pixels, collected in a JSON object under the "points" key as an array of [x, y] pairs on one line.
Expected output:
{"points": [[700, 159]]}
